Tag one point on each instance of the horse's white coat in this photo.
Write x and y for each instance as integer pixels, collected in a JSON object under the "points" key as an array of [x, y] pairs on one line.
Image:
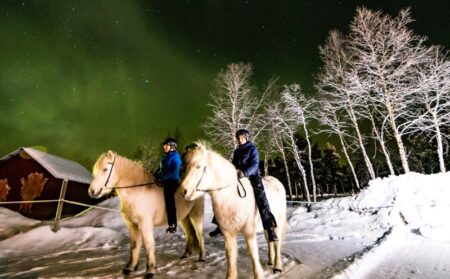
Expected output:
{"points": [[143, 207], [208, 171]]}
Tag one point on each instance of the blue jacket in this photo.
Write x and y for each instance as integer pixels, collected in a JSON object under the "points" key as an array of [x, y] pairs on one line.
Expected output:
{"points": [[246, 158], [170, 166]]}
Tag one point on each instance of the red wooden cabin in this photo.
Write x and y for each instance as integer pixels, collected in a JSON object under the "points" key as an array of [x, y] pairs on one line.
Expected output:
{"points": [[30, 174]]}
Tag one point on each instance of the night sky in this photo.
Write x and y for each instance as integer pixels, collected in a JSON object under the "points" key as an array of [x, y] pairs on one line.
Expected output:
{"points": [[82, 77]]}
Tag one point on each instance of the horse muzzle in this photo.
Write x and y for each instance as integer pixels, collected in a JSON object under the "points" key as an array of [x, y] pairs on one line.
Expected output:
{"points": [[93, 194], [187, 195]]}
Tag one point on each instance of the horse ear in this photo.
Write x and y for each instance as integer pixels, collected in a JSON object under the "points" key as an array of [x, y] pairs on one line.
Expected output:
{"points": [[111, 154]]}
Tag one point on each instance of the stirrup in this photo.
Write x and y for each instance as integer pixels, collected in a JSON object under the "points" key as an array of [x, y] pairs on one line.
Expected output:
{"points": [[172, 228]]}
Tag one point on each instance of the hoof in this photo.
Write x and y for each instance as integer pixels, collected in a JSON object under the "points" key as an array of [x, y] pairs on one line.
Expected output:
{"points": [[201, 260], [149, 275], [277, 270], [126, 271], [184, 257]]}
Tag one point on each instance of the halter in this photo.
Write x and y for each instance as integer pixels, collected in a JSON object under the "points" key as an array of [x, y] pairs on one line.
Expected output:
{"points": [[119, 187]]}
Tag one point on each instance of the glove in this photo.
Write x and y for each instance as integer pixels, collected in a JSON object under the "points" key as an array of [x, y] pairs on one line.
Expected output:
{"points": [[240, 174]]}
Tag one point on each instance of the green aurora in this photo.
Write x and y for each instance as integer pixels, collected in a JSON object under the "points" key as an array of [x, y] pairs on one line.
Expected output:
{"points": [[83, 77]]}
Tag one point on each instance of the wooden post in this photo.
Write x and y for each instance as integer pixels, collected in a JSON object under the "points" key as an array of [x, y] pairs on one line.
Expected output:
{"points": [[62, 195]]}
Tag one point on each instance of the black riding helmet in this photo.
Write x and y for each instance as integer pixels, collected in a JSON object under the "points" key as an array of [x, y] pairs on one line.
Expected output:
{"points": [[171, 142], [243, 132]]}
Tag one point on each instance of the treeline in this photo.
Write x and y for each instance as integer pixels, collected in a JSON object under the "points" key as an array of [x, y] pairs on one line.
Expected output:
{"points": [[382, 94]]}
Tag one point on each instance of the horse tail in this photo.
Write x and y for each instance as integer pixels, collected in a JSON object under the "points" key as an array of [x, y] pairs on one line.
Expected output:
{"points": [[277, 192]]}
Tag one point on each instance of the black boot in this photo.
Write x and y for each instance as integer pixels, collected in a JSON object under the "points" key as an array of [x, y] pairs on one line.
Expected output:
{"points": [[172, 228], [271, 235], [216, 233]]}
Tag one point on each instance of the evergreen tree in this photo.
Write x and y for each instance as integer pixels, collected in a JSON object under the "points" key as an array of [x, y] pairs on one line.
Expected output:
{"points": [[331, 167]]}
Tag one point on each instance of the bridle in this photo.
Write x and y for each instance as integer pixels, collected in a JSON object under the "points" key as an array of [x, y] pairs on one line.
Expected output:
{"points": [[207, 190], [219, 188], [110, 171], [120, 187]]}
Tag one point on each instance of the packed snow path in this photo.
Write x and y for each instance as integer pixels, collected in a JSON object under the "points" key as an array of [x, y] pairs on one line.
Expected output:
{"points": [[396, 228]]}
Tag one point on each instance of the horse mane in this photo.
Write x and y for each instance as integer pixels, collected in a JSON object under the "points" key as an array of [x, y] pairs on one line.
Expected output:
{"points": [[127, 163], [97, 164], [194, 150], [198, 148]]}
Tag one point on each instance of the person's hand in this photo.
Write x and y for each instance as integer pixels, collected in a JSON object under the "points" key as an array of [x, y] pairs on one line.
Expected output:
{"points": [[158, 181], [240, 174]]}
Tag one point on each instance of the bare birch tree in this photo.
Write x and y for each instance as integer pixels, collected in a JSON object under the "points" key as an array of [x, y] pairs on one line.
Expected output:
{"points": [[235, 105], [336, 84], [434, 98], [331, 118], [298, 109], [387, 56], [378, 127], [275, 139], [287, 126]]}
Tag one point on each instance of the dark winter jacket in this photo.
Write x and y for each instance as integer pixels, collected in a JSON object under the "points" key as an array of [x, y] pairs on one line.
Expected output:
{"points": [[246, 158], [170, 166]]}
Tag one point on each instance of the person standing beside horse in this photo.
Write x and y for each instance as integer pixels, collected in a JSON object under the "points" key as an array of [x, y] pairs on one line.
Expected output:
{"points": [[246, 161], [169, 173]]}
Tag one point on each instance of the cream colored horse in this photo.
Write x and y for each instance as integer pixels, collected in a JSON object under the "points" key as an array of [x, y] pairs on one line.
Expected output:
{"points": [[235, 208], [143, 207]]}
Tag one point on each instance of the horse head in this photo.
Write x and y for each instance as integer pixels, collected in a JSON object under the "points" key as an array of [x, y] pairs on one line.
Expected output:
{"points": [[104, 173], [197, 180]]}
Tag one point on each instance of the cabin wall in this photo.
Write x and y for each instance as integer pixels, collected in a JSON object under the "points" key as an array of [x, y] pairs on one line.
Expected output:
{"points": [[17, 167]]}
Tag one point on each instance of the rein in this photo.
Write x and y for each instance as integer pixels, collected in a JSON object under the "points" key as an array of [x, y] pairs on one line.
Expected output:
{"points": [[121, 187]]}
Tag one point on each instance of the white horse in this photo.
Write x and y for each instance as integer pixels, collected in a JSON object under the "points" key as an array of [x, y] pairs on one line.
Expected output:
{"points": [[234, 205], [143, 208]]}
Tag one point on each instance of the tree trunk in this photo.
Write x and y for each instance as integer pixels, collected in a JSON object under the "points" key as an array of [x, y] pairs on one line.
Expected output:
{"points": [[301, 168], [398, 139], [288, 176], [266, 163], [383, 145], [440, 147], [334, 187], [361, 143], [313, 180], [344, 149]]}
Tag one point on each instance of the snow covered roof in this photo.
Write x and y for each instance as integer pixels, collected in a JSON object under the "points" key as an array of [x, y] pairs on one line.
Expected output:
{"points": [[58, 167]]}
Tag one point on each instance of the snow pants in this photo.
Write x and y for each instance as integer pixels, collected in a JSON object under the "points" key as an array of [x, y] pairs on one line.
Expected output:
{"points": [[170, 187]]}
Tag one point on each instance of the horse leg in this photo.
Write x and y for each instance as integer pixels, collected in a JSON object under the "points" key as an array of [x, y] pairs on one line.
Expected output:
{"points": [[197, 220], [201, 241], [278, 262], [135, 248], [271, 251], [189, 233], [252, 249], [231, 251], [149, 243]]}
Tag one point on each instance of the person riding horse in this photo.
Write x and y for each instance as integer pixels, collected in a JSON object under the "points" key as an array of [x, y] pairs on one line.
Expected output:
{"points": [[246, 161], [169, 173]]}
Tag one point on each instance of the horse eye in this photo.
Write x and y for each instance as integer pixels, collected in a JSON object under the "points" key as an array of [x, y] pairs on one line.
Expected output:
{"points": [[198, 166], [105, 169]]}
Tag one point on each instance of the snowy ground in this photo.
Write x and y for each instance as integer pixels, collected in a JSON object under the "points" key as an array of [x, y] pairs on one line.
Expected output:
{"points": [[399, 227]]}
